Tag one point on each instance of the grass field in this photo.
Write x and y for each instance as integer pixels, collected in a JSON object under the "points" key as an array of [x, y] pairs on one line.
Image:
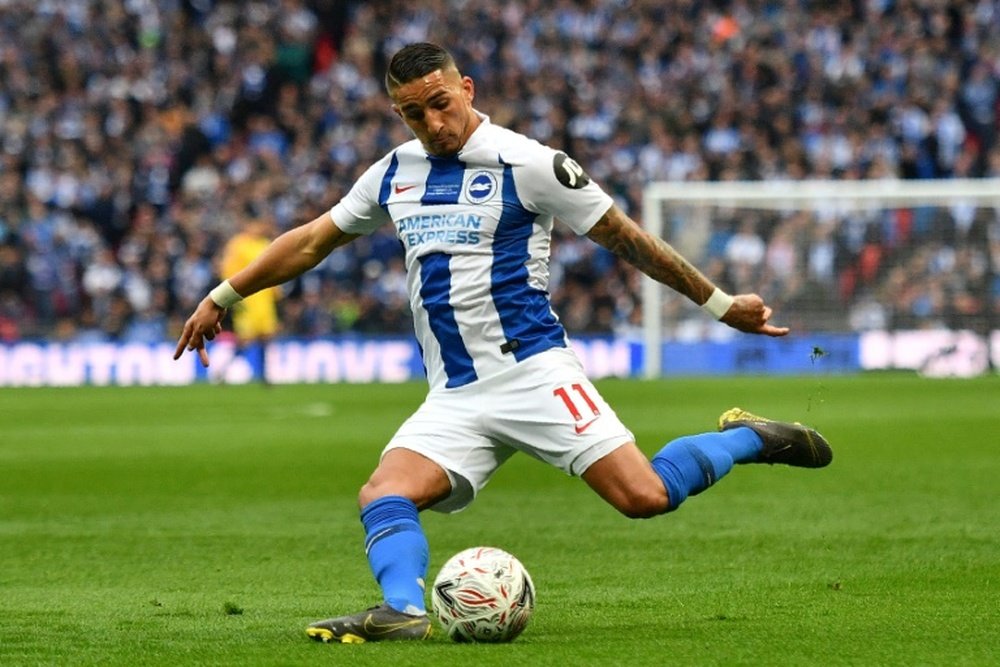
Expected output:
{"points": [[208, 525]]}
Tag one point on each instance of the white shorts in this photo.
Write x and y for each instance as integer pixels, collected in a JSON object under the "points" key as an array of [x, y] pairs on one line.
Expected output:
{"points": [[544, 406]]}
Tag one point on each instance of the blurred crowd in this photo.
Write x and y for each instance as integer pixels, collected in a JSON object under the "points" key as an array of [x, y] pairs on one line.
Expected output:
{"points": [[136, 135]]}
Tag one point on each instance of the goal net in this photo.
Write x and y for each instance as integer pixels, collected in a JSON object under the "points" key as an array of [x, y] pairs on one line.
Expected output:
{"points": [[907, 268]]}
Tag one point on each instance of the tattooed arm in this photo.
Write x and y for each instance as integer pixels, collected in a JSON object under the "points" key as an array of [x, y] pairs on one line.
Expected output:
{"points": [[658, 260]]}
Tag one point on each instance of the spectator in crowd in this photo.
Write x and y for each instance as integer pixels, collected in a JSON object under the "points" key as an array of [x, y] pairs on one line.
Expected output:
{"points": [[133, 136]]}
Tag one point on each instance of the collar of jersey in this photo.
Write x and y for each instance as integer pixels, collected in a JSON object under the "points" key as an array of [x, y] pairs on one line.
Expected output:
{"points": [[478, 137]]}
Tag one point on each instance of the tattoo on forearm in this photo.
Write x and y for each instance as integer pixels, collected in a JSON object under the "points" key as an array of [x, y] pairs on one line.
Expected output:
{"points": [[653, 256]]}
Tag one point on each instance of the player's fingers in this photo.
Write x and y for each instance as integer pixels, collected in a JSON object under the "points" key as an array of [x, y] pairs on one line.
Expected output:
{"points": [[203, 355], [774, 331], [182, 343]]}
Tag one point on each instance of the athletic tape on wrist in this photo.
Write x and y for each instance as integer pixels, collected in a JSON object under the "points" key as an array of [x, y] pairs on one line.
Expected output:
{"points": [[224, 295], [718, 304]]}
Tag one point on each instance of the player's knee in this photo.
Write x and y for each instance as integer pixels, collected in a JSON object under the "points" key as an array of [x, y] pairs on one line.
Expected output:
{"points": [[643, 503], [405, 473], [423, 495], [372, 490]]}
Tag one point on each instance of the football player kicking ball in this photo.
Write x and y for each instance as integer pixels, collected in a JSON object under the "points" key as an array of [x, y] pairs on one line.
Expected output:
{"points": [[473, 205]]}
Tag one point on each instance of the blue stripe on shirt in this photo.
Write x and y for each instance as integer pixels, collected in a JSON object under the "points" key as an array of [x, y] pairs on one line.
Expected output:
{"points": [[385, 189], [525, 312], [435, 291], [444, 182]]}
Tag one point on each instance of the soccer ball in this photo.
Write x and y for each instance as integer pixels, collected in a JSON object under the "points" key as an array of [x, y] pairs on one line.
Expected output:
{"points": [[483, 594]]}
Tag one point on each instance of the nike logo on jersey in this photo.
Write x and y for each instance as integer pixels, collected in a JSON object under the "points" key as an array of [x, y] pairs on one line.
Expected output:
{"points": [[400, 189], [580, 428]]}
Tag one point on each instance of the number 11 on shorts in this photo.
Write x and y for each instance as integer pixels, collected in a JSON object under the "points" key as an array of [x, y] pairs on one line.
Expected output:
{"points": [[570, 404]]}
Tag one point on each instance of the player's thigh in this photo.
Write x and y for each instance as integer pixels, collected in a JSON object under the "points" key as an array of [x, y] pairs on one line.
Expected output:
{"points": [[552, 411], [446, 430]]}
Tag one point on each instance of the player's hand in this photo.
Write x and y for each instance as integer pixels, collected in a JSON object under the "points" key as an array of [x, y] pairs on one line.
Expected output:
{"points": [[203, 325], [750, 315]]}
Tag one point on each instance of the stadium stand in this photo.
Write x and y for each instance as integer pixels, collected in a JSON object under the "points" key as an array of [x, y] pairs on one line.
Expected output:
{"points": [[134, 135]]}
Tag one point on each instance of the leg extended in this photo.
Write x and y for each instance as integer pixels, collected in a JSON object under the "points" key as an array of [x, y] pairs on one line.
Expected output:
{"points": [[404, 483], [690, 464]]}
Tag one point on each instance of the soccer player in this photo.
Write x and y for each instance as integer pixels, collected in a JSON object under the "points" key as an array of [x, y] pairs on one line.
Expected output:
{"points": [[473, 205], [255, 319]]}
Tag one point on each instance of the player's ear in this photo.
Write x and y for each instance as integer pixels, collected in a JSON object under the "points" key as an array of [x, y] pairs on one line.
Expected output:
{"points": [[468, 89]]}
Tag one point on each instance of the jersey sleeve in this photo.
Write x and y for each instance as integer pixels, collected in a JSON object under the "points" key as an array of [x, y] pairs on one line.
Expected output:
{"points": [[361, 210], [553, 183]]}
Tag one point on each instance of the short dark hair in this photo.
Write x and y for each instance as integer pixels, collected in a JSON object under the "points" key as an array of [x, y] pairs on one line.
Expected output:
{"points": [[414, 61]]}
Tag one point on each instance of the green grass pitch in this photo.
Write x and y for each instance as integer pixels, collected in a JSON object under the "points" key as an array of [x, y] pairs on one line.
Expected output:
{"points": [[208, 525]]}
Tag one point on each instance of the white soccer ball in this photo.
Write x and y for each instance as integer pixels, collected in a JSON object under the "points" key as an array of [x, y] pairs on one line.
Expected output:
{"points": [[483, 594]]}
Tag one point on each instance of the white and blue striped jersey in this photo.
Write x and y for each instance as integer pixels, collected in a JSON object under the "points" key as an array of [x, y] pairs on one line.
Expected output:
{"points": [[476, 228]]}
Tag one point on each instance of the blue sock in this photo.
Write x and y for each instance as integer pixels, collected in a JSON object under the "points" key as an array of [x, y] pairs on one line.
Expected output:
{"points": [[397, 551], [691, 464]]}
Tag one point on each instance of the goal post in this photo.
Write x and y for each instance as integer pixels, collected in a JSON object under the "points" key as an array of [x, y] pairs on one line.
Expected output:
{"points": [[692, 217]]}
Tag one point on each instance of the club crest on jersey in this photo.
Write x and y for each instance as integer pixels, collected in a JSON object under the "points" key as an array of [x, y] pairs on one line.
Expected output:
{"points": [[481, 187], [569, 172]]}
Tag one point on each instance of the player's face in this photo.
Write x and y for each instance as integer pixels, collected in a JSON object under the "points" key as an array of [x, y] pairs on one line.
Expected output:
{"points": [[438, 110]]}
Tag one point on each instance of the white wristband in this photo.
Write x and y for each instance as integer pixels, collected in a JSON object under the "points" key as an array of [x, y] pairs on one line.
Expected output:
{"points": [[718, 304], [224, 295]]}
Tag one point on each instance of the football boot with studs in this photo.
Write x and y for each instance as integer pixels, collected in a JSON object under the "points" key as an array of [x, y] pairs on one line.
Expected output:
{"points": [[379, 623], [784, 442]]}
